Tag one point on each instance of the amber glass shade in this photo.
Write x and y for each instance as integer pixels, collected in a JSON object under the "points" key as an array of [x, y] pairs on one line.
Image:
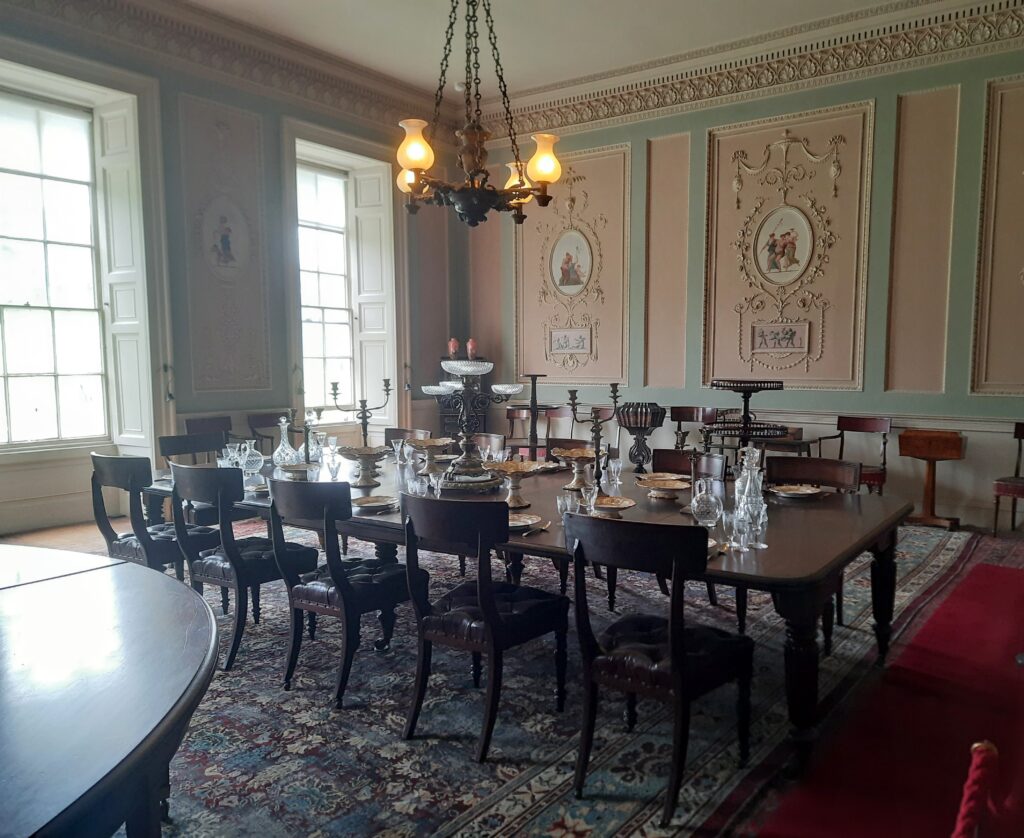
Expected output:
{"points": [[544, 166], [514, 180], [415, 152]]}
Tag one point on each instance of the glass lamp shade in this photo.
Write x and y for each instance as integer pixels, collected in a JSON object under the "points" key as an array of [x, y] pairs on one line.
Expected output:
{"points": [[544, 166], [415, 152], [405, 180], [514, 180], [459, 367]]}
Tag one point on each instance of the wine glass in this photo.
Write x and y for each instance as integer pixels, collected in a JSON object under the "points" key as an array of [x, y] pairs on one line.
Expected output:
{"points": [[589, 495], [757, 511], [398, 445], [615, 472], [435, 482], [740, 529], [334, 466], [570, 500], [233, 451]]}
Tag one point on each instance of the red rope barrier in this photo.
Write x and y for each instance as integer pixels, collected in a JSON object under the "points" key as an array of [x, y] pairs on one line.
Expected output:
{"points": [[977, 808]]}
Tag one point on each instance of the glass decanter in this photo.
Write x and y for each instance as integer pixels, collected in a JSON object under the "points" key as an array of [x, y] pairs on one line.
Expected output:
{"points": [[705, 505], [251, 458], [284, 454]]}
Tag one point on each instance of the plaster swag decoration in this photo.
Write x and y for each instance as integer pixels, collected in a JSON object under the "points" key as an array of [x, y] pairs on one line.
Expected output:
{"points": [[570, 267], [786, 255]]}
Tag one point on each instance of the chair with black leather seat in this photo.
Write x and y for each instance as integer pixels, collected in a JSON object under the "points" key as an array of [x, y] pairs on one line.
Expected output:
{"points": [[208, 445], [482, 617], [264, 428], [656, 656], [156, 545], [239, 565], [343, 588], [871, 476], [1010, 487]]}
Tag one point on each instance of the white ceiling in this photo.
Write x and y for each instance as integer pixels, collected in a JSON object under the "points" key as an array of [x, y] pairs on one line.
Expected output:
{"points": [[543, 43]]}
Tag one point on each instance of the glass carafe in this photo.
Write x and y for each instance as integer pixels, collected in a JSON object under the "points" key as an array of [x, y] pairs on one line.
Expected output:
{"points": [[284, 454], [705, 506]]}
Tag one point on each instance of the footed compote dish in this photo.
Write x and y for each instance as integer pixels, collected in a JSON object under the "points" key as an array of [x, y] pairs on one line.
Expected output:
{"points": [[516, 472], [367, 456], [431, 448], [663, 488], [610, 506], [579, 459]]}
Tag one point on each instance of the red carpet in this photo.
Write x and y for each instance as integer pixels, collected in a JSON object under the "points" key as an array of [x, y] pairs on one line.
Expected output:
{"points": [[898, 766]]}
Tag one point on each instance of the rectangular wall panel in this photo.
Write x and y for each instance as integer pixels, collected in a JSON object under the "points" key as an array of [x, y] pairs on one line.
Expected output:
{"points": [[668, 206], [922, 237], [998, 360]]}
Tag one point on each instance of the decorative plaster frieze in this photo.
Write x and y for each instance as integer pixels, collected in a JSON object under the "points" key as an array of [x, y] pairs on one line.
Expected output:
{"points": [[932, 39]]}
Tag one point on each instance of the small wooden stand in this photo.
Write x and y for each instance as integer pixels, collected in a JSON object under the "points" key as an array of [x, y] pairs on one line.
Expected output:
{"points": [[932, 446]]}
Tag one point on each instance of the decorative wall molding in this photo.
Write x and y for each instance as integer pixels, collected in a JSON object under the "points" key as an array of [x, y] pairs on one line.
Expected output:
{"points": [[214, 46], [954, 35]]}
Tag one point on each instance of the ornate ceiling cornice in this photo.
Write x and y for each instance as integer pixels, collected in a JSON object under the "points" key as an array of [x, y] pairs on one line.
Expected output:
{"points": [[950, 36], [213, 46]]}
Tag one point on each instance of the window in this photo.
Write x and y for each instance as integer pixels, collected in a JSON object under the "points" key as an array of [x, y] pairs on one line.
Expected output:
{"points": [[325, 295], [51, 340]]}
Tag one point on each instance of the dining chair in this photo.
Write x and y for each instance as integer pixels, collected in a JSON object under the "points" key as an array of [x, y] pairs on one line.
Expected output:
{"points": [[486, 442], [841, 475], [208, 424], [391, 434], [208, 445], [655, 656], [482, 617], [1010, 487], [343, 588], [239, 565], [260, 423], [792, 442], [556, 418], [155, 545], [871, 476], [691, 415], [512, 415]]}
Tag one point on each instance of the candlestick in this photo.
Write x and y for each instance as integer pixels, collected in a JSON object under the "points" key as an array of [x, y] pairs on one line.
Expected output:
{"points": [[595, 429], [364, 413]]}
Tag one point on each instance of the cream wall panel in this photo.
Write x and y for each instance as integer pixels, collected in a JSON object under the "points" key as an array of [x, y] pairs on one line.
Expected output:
{"points": [[668, 205], [485, 291], [922, 237], [998, 358]]}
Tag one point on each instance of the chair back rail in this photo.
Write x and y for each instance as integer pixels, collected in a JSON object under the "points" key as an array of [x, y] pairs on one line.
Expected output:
{"points": [[679, 462], [701, 415], [455, 528], [268, 420], [843, 475], [323, 504], [208, 424], [130, 474], [205, 443], [860, 424]]}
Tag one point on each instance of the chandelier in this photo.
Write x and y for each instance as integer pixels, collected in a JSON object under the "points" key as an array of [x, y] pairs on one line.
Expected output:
{"points": [[474, 197]]}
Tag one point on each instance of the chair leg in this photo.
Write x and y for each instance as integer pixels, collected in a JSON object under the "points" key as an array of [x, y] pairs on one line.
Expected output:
{"points": [[840, 620], [598, 573], [494, 668], [586, 737], [630, 711], [255, 593], [241, 611], [743, 708], [476, 669], [349, 644], [561, 635], [224, 604], [344, 545], [462, 565], [419, 689], [613, 578], [197, 586], [827, 620], [680, 742], [293, 647], [311, 625], [663, 585], [179, 570], [741, 609], [562, 566], [1013, 515], [995, 518], [712, 594], [387, 625]]}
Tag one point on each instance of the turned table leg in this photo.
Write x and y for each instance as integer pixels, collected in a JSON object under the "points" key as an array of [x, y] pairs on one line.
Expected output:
{"points": [[883, 591]]}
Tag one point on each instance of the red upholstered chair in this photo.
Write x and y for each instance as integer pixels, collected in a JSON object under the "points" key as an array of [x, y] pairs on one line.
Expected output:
{"points": [[871, 476], [1010, 487]]}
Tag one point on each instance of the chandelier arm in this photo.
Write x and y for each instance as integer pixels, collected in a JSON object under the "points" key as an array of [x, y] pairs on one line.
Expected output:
{"points": [[453, 15], [503, 88]]}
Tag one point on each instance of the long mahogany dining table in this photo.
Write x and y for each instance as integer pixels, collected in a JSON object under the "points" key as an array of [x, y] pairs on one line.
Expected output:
{"points": [[102, 664], [810, 542]]}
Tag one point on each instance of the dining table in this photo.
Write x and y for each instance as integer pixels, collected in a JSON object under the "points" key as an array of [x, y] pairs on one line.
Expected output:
{"points": [[810, 541], [102, 664]]}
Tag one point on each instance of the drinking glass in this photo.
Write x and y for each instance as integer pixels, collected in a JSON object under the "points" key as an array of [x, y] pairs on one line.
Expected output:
{"points": [[757, 512], [332, 445], [223, 462], [740, 530], [589, 495], [571, 501], [233, 449], [313, 473], [417, 486], [615, 471], [334, 466], [396, 444], [435, 483]]}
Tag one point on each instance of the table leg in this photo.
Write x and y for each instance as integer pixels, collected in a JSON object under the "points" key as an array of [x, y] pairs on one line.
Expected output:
{"points": [[801, 610], [883, 591], [514, 566], [387, 553]]}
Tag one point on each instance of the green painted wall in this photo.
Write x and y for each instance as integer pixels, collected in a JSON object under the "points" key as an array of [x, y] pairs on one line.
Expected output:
{"points": [[972, 76]]}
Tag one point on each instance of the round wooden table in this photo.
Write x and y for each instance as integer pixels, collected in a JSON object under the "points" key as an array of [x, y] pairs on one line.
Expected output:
{"points": [[102, 664]]}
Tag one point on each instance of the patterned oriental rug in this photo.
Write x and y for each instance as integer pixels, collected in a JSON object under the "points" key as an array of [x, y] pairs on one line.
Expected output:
{"points": [[259, 761]]}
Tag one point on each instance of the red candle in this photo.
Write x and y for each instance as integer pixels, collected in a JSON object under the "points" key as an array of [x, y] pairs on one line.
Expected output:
{"points": [[471, 349], [453, 348]]}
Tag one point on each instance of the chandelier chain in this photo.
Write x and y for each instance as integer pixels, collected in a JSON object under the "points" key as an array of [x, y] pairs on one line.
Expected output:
{"points": [[453, 16], [468, 92], [473, 58], [502, 87]]}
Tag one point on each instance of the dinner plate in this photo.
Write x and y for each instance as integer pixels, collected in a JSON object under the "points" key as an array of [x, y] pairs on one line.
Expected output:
{"points": [[374, 502], [519, 521], [795, 490], [661, 475], [614, 502]]}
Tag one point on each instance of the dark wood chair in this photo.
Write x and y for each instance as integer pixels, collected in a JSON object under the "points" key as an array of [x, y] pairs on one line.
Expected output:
{"points": [[208, 424], [156, 545], [841, 475], [1010, 487], [680, 462], [343, 588], [263, 427], [482, 617], [792, 442], [654, 656], [871, 476], [513, 415], [485, 442], [239, 565], [205, 448], [391, 434], [692, 416]]}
